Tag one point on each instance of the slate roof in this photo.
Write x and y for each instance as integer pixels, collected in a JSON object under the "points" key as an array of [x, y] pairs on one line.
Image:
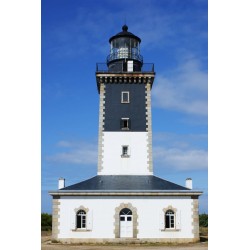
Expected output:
{"points": [[125, 182]]}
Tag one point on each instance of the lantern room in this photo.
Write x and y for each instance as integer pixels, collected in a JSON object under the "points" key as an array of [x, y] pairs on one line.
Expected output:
{"points": [[124, 52]]}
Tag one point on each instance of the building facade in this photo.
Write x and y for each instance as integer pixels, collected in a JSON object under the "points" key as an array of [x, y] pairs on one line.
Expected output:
{"points": [[125, 201]]}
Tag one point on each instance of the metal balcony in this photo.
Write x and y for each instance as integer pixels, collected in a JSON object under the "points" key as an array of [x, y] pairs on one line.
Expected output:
{"points": [[103, 68]]}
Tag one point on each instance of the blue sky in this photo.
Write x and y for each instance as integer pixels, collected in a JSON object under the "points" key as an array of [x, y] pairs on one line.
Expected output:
{"points": [[75, 36]]}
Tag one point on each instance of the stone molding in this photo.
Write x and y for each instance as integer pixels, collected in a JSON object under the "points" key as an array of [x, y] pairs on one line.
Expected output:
{"points": [[81, 208], [128, 77], [175, 211], [117, 219], [169, 208], [86, 210], [125, 78], [127, 193]]}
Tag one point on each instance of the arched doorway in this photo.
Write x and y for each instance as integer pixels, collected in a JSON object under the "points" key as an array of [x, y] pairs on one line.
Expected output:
{"points": [[126, 223]]}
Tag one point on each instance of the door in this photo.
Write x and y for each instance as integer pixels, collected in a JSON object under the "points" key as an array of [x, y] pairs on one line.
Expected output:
{"points": [[126, 223]]}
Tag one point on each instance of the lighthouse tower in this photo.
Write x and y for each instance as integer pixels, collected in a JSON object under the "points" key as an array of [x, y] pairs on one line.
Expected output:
{"points": [[125, 127], [125, 202]]}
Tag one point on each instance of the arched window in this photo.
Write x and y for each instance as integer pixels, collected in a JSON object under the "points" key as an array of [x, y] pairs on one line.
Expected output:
{"points": [[81, 219], [126, 215], [125, 211], [170, 219]]}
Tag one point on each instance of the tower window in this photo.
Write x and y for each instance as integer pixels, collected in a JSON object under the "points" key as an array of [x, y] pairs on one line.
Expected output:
{"points": [[125, 151], [125, 124], [125, 97]]}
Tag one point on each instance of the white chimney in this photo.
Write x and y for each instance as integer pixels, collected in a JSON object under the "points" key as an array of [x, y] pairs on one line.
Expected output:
{"points": [[189, 183], [61, 183]]}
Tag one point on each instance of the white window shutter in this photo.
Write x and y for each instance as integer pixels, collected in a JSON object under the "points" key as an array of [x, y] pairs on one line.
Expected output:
{"points": [[72, 220], [178, 220], [161, 220], [89, 220]]}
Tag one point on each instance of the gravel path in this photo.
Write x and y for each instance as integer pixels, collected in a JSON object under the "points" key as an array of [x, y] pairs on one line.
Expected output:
{"points": [[47, 245]]}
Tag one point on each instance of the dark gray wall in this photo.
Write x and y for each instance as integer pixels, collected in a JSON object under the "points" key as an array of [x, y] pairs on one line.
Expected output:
{"points": [[115, 110]]}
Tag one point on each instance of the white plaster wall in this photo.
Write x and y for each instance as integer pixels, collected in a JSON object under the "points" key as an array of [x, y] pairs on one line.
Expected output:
{"points": [[149, 210], [135, 164]]}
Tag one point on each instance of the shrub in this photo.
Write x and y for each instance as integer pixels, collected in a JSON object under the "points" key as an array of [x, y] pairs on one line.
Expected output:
{"points": [[46, 222], [203, 220]]}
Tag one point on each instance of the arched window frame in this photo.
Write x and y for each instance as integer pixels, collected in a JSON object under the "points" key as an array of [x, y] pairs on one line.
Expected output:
{"points": [[117, 219], [88, 219], [170, 219], [81, 219], [177, 219]]}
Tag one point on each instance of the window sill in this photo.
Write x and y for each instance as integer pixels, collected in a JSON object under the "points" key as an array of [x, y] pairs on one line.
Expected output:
{"points": [[125, 156], [170, 230], [81, 230], [125, 128]]}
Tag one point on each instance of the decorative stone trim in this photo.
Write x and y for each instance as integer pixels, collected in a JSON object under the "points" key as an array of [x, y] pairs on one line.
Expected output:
{"points": [[101, 127], [86, 210], [81, 208], [55, 217], [128, 77], [195, 218], [175, 211], [117, 219], [149, 126], [169, 208], [125, 78]]}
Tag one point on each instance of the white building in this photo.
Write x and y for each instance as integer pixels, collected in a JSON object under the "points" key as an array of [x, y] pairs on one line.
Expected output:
{"points": [[125, 201]]}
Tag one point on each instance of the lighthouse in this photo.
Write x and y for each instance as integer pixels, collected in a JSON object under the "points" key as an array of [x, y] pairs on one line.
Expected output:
{"points": [[125, 201], [125, 126]]}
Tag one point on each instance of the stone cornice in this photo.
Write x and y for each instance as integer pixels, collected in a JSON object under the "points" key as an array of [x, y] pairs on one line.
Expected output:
{"points": [[139, 78], [128, 74], [124, 193]]}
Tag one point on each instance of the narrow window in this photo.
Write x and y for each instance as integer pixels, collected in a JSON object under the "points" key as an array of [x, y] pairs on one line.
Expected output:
{"points": [[125, 151], [125, 124], [81, 219], [169, 222], [125, 97]]}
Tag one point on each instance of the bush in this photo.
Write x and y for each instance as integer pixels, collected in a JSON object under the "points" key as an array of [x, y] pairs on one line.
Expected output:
{"points": [[46, 222], [203, 220]]}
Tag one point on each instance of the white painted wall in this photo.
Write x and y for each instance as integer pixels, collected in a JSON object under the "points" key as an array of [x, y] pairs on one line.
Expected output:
{"points": [[102, 210], [135, 164]]}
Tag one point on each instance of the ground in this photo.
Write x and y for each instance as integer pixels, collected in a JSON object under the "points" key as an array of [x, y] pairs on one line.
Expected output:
{"points": [[48, 245]]}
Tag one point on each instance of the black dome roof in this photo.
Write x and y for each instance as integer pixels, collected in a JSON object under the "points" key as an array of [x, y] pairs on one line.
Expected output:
{"points": [[125, 33]]}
